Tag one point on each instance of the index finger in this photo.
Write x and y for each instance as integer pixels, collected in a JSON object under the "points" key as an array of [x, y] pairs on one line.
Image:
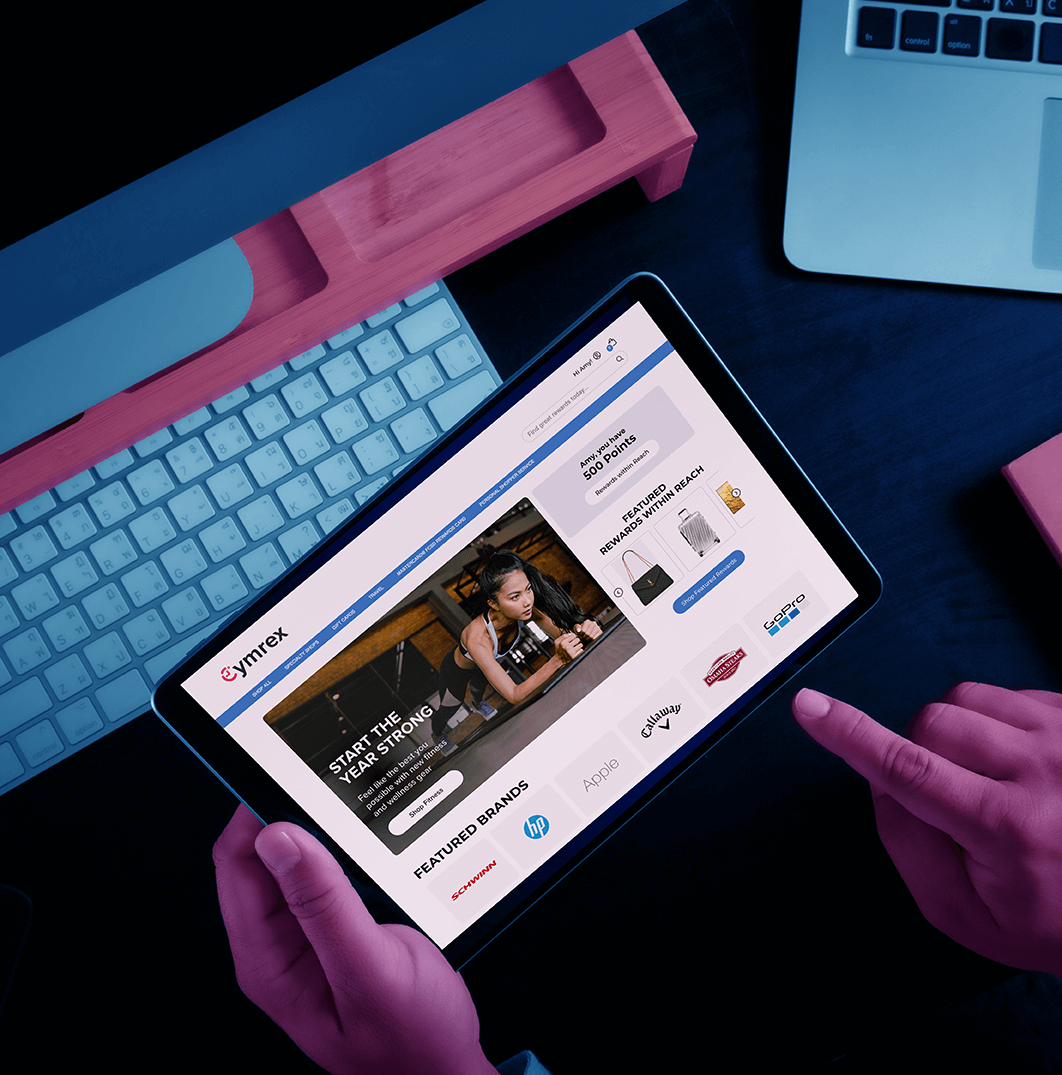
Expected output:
{"points": [[937, 791]]}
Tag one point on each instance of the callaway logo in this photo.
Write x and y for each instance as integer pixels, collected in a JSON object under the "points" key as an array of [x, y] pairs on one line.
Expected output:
{"points": [[232, 672]]}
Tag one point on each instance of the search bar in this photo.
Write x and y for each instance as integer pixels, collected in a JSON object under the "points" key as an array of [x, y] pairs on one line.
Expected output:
{"points": [[589, 375]]}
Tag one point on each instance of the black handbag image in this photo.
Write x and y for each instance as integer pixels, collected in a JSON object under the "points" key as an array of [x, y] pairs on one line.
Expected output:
{"points": [[650, 585]]}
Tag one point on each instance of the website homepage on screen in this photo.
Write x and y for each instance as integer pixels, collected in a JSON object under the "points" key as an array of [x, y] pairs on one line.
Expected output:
{"points": [[619, 481]]}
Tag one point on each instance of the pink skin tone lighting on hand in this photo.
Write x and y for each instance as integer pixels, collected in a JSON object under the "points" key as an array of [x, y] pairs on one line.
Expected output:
{"points": [[969, 807], [355, 996]]}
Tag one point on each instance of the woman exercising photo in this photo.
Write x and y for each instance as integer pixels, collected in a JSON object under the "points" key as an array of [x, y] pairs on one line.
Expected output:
{"points": [[516, 593]]}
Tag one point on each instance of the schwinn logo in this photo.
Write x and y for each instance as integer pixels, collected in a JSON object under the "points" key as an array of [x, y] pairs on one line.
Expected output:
{"points": [[231, 672]]}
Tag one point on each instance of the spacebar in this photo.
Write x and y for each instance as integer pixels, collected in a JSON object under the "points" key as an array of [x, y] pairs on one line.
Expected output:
{"points": [[162, 663]]}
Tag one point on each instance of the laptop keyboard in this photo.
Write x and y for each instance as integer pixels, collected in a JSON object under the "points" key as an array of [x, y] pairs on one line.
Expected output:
{"points": [[109, 580], [1011, 34]]}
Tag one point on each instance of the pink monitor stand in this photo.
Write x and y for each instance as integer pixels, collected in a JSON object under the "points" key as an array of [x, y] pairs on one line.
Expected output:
{"points": [[358, 246]]}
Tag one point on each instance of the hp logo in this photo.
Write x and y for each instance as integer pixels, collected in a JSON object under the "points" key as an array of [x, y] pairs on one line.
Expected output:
{"points": [[536, 827]]}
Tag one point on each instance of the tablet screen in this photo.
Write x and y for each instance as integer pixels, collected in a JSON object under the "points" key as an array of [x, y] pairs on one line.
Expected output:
{"points": [[657, 565]]}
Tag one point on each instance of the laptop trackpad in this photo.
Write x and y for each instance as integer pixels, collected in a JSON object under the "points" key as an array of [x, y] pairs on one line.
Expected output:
{"points": [[1047, 233]]}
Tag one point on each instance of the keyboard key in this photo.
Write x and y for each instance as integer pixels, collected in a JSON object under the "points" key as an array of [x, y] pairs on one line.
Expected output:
{"points": [[337, 474], [35, 596], [185, 610], [152, 530], [1010, 39], [74, 574], [334, 515], [458, 356], [150, 482], [263, 565], [144, 584], [105, 606], [225, 403], [8, 572], [414, 430], [34, 549], [455, 403], [918, 31], [113, 552], [1051, 43], [189, 460], [152, 444], [342, 374], [35, 509], [115, 464], [345, 421], [39, 743], [1017, 7], [8, 620], [230, 486], [427, 326], [224, 588], [68, 677], [75, 486], [380, 352], [183, 561], [222, 539], [382, 399], [146, 632], [228, 438], [260, 517], [300, 362], [111, 504], [299, 495], [191, 508], [27, 650], [185, 425], [66, 628], [962, 35], [106, 655], [10, 766], [268, 464], [79, 721], [127, 694], [977, 5], [274, 376], [378, 319], [420, 378], [298, 541], [375, 452], [420, 296], [265, 417], [306, 442], [304, 395], [72, 526], [341, 339], [24, 702]]}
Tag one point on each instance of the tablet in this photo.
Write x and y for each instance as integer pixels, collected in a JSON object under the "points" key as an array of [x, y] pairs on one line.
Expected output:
{"points": [[524, 638]]}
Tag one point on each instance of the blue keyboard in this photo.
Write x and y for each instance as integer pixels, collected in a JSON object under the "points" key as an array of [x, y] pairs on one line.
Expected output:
{"points": [[110, 579]]}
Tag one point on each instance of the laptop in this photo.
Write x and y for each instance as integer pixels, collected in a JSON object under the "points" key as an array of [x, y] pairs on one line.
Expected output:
{"points": [[927, 142], [202, 382]]}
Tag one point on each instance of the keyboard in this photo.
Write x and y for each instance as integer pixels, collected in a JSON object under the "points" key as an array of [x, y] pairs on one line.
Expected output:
{"points": [[1010, 34], [111, 578]]}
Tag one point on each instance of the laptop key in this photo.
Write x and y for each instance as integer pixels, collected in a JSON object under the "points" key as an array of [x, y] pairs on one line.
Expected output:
{"points": [[962, 35], [918, 31], [1010, 39]]}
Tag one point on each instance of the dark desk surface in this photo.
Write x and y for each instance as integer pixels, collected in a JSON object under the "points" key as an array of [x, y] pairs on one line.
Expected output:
{"points": [[751, 900]]}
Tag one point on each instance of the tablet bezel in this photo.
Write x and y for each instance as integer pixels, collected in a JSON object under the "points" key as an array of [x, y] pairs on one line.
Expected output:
{"points": [[259, 791]]}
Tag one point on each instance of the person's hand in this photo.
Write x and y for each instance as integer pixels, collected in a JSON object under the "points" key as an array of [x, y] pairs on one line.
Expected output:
{"points": [[969, 807], [588, 630], [567, 646], [355, 996]]}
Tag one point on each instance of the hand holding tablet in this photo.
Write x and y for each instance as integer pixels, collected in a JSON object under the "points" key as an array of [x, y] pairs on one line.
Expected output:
{"points": [[968, 809], [353, 995]]}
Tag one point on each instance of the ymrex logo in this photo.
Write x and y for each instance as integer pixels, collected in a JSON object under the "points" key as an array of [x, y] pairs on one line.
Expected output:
{"points": [[238, 670]]}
